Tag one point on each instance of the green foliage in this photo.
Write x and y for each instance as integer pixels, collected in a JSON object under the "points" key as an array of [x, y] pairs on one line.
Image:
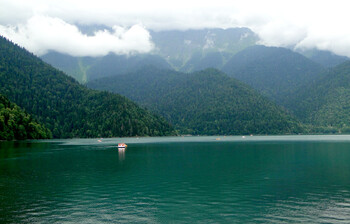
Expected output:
{"points": [[324, 103], [275, 72], [16, 124], [207, 102], [67, 108]]}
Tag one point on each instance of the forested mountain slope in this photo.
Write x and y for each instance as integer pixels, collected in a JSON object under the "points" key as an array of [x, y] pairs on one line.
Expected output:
{"points": [[275, 72], [206, 102], [15, 124], [325, 58], [326, 101], [64, 106]]}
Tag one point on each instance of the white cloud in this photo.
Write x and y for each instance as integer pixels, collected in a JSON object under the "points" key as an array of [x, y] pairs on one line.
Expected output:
{"points": [[322, 24], [42, 33]]}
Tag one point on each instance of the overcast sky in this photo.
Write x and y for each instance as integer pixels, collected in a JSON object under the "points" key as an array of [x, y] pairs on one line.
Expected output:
{"points": [[42, 25]]}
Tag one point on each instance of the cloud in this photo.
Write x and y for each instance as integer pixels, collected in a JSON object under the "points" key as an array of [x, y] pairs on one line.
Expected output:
{"points": [[301, 24], [41, 34], [318, 24]]}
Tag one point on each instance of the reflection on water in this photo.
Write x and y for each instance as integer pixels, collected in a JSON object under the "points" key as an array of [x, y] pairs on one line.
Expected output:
{"points": [[187, 182], [121, 154]]}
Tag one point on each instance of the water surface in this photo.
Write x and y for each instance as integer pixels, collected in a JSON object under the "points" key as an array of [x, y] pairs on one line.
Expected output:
{"points": [[275, 179]]}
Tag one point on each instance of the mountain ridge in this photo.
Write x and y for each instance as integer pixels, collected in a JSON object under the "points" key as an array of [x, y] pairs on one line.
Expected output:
{"points": [[16, 124], [275, 72], [176, 53], [206, 102], [66, 107], [325, 101]]}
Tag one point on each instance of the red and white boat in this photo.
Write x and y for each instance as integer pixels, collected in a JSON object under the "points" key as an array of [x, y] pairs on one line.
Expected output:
{"points": [[122, 146]]}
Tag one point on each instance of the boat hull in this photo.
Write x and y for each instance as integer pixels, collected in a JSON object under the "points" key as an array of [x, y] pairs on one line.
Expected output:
{"points": [[122, 146]]}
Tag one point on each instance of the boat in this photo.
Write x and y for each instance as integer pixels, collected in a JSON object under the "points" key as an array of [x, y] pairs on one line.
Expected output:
{"points": [[122, 146]]}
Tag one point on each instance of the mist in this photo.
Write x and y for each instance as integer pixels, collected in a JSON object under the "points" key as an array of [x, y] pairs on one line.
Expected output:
{"points": [[41, 34], [300, 24]]}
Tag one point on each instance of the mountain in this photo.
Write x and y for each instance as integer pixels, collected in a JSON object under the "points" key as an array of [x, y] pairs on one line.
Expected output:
{"points": [[200, 61], [15, 124], [179, 47], [325, 58], [206, 102], [64, 106], [275, 72], [190, 50], [325, 102], [112, 64], [84, 69], [76, 67]]}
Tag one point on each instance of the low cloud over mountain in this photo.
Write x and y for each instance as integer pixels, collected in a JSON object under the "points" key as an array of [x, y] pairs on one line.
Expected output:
{"points": [[41, 34], [300, 24]]}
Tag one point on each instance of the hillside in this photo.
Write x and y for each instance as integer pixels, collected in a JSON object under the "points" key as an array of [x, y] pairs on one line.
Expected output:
{"points": [[201, 61], [325, 58], [179, 47], [325, 102], [187, 51], [15, 124], [112, 64], [64, 106], [207, 102], [76, 67], [275, 72], [84, 69]]}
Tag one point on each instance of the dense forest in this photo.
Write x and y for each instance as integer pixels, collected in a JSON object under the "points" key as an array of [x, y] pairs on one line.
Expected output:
{"points": [[324, 103], [67, 108], [207, 102], [275, 72], [15, 124]]}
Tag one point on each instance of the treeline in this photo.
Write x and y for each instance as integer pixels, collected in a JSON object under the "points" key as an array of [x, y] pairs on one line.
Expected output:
{"points": [[325, 103], [67, 108], [15, 124], [202, 103], [274, 71]]}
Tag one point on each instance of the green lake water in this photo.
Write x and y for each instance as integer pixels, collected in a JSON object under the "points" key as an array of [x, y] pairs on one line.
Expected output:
{"points": [[277, 179]]}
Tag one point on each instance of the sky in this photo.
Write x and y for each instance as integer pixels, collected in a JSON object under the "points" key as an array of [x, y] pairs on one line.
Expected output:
{"points": [[44, 25]]}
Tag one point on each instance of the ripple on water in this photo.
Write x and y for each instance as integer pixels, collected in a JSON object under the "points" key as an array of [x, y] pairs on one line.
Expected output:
{"points": [[229, 182]]}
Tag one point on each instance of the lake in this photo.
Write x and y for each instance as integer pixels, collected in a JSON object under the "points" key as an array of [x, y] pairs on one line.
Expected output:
{"points": [[255, 179]]}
